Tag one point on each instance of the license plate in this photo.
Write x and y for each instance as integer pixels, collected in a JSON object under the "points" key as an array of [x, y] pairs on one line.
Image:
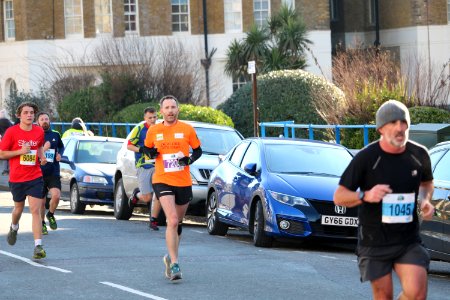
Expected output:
{"points": [[340, 221]]}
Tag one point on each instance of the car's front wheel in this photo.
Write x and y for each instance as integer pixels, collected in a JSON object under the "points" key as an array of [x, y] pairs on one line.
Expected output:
{"points": [[260, 239], [214, 226], [122, 211], [76, 207]]}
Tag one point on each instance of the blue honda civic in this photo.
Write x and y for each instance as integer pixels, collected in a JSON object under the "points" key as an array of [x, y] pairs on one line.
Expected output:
{"points": [[275, 187]]}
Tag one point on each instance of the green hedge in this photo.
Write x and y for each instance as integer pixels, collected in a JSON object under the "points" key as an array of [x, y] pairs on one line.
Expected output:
{"points": [[425, 114], [282, 95], [135, 113]]}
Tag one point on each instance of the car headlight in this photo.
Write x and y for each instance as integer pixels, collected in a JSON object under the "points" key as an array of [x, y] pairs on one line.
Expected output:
{"points": [[94, 179], [288, 199]]}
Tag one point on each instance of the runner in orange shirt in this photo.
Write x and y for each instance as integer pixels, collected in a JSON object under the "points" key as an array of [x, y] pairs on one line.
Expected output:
{"points": [[169, 143]]}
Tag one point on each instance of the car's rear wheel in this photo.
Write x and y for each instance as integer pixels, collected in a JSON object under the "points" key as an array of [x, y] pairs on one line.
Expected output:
{"points": [[214, 226], [260, 238], [122, 211], [76, 207]]}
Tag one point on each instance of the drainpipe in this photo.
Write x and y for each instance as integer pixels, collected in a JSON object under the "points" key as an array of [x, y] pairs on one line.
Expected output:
{"points": [[206, 62], [377, 26]]}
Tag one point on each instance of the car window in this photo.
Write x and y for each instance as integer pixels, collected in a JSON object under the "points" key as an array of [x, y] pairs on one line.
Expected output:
{"points": [[69, 148], [236, 157], [441, 172], [98, 152], [436, 156], [217, 141], [301, 159], [251, 155]]}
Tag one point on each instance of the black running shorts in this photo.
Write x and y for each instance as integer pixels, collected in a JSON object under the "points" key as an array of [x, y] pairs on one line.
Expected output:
{"points": [[376, 262], [183, 194]]}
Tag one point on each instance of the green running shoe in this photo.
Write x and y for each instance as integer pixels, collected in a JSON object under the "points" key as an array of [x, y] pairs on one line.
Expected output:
{"points": [[166, 260], [175, 272], [44, 229], [52, 221], [39, 252], [12, 236]]}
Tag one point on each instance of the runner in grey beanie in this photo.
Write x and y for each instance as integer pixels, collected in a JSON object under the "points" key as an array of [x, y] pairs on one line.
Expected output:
{"points": [[392, 110]]}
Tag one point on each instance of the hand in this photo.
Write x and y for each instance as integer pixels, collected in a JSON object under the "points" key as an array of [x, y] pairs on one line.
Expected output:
{"points": [[185, 161], [58, 157], [47, 146], [376, 194], [150, 152], [43, 161], [141, 149], [426, 210], [25, 148]]}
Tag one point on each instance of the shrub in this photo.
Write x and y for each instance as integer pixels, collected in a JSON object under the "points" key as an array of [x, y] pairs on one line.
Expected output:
{"points": [[89, 104], [135, 112], [40, 99], [425, 114], [282, 95]]}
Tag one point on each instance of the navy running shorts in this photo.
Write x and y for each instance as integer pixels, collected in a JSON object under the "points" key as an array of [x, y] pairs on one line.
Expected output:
{"points": [[33, 188], [183, 194]]}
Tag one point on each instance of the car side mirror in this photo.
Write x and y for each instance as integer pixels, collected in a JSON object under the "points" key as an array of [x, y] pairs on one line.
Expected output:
{"points": [[250, 168], [65, 159], [221, 158]]}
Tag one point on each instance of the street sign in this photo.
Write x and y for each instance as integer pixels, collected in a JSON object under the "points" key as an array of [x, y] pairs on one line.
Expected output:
{"points": [[251, 67]]}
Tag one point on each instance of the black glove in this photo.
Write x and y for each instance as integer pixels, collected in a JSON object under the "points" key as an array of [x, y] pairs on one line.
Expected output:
{"points": [[141, 150], [184, 161], [150, 152]]}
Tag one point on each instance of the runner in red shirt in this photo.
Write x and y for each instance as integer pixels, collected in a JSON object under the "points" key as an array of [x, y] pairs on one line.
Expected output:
{"points": [[22, 145]]}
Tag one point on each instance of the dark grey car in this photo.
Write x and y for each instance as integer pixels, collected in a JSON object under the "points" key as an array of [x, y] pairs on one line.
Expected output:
{"points": [[215, 140]]}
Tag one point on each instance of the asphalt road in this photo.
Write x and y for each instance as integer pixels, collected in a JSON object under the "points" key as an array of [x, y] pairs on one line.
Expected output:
{"points": [[95, 256]]}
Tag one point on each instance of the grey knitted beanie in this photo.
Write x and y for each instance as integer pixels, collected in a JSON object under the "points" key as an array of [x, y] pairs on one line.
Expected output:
{"points": [[392, 110]]}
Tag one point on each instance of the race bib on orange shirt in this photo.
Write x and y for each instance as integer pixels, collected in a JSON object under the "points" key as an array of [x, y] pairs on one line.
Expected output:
{"points": [[170, 162]]}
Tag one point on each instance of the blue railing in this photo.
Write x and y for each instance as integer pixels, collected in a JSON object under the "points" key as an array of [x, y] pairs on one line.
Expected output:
{"points": [[122, 129], [99, 128], [289, 126]]}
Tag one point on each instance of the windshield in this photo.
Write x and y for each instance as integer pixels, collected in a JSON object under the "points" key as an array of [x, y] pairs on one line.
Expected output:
{"points": [[217, 141], [98, 152], [306, 159]]}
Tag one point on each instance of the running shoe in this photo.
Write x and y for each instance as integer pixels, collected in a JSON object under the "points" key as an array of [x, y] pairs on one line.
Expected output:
{"points": [[154, 225], [12, 236], [44, 229], [39, 252], [52, 222], [175, 272], [133, 199], [166, 260]]}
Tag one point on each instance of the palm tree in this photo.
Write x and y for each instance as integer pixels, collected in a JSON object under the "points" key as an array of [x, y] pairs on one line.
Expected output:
{"points": [[279, 45]]}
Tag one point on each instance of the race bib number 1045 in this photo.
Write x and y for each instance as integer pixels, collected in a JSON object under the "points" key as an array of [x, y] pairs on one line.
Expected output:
{"points": [[397, 208]]}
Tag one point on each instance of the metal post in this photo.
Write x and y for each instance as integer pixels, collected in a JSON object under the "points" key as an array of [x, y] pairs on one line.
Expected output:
{"points": [[255, 105]]}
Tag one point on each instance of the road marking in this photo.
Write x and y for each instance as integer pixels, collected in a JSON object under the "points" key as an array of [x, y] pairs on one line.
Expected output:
{"points": [[198, 231], [126, 289], [326, 256], [35, 264]]}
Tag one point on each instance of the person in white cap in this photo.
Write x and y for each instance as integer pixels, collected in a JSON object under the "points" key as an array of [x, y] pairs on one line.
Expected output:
{"points": [[389, 179]]}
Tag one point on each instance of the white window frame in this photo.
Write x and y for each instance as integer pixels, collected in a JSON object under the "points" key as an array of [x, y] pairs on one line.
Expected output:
{"points": [[238, 82], [233, 15], [258, 12], [334, 10], [128, 14], [100, 16], [9, 23], [289, 3], [371, 12], [179, 14], [10, 88], [74, 17]]}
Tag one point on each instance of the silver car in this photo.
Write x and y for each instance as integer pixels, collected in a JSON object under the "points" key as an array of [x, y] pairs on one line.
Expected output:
{"points": [[215, 140]]}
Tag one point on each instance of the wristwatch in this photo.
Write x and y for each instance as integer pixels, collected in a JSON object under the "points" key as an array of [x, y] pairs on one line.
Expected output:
{"points": [[361, 196]]}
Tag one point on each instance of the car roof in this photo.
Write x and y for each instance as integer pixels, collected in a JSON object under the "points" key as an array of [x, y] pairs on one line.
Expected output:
{"points": [[94, 138], [277, 140]]}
